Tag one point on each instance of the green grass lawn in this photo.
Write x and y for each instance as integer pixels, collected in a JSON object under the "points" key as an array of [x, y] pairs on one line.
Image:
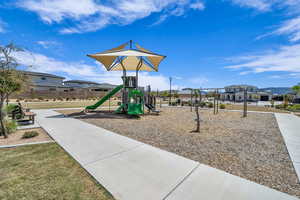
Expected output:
{"points": [[45, 171]]}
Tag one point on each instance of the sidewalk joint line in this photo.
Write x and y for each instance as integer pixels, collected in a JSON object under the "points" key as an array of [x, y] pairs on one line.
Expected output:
{"points": [[113, 155], [186, 177]]}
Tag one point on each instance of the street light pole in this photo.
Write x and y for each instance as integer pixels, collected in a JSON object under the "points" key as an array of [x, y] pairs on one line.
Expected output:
{"points": [[170, 93]]}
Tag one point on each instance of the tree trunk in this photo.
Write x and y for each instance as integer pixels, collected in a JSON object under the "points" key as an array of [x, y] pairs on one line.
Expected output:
{"points": [[191, 101], [2, 115], [198, 119]]}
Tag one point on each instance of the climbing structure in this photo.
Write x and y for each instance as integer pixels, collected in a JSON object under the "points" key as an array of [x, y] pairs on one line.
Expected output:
{"points": [[128, 57]]}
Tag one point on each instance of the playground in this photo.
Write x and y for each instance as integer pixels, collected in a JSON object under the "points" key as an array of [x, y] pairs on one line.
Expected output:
{"points": [[251, 147], [245, 144]]}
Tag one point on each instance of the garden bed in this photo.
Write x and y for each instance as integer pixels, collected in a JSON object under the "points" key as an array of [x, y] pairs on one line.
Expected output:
{"points": [[16, 137]]}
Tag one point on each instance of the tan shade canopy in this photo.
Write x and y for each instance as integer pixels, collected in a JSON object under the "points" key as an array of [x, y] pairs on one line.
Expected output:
{"points": [[122, 58]]}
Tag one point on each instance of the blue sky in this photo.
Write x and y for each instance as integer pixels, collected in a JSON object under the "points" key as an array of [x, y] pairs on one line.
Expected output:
{"points": [[208, 43]]}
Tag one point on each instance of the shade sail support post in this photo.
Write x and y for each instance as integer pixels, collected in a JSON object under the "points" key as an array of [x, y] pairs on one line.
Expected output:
{"points": [[137, 73], [124, 95]]}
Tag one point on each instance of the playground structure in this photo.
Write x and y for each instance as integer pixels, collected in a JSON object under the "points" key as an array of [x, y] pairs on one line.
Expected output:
{"points": [[127, 58]]}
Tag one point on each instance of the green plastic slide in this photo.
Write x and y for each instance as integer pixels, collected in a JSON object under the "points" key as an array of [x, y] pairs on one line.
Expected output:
{"points": [[105, 98]]}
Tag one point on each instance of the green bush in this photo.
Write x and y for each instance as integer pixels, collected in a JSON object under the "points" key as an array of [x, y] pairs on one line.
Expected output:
{"points": [[222, 106], [30, 134], [173, 103], [8, 109], [10, 125], [294, 108], [210, 105], [202, 104], [280, 106]]}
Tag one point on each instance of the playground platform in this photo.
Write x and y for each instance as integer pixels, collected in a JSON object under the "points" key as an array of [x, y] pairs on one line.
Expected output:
{"points": [[132, 170]]}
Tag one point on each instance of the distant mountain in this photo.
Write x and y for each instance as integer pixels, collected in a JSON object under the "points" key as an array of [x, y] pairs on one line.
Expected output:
{"points": [[277, 90]]}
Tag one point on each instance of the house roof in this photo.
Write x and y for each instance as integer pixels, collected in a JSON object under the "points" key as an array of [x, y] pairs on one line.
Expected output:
{"points": [[81, 82], [41, 74]]}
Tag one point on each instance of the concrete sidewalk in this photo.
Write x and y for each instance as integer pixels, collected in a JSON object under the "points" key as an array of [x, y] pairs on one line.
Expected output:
{"points": [[132, 170], [289, 126]]}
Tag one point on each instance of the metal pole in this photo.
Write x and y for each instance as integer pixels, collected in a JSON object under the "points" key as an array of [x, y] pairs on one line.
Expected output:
{"points": [[191, 100], [109, 104], [215, 103], [170, 93], [200, 97], [245, 102], [136, 79], [160, 101]]}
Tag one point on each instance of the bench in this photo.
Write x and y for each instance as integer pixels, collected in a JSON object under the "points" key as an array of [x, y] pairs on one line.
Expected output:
{"points": [[22, 113]]}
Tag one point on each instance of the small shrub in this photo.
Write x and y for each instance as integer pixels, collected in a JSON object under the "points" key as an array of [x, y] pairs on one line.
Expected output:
{"points": [[280, 106], [222, 106], [173, 104], [10, 125], [210, 105], [272, 103], [10, 108], [30, 134], [294, 108], [202, 104]]}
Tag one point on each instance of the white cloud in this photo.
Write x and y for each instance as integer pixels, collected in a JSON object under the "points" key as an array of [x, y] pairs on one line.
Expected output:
{"points": [[275, 77], [284, 59], [92, 15], [80, 70], [261, 5], [56, 10], [47, 44], [2, 26], [291, 28], [197, 6], [198, 80]]}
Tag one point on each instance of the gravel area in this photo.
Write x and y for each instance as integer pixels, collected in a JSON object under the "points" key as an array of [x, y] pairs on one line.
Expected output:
{"points": [[251, 147], [16, 137]]}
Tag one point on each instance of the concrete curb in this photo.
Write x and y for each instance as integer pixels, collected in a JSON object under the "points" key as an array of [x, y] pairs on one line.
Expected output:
{"points": [[25, 144]]}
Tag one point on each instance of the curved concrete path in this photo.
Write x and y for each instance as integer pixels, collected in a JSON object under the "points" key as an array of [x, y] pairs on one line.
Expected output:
{"points": [[289, 126], [132, 170]]}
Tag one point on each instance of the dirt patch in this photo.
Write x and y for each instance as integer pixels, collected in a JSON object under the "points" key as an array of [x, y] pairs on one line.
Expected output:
{"points": [[251, 147], [16, 137]]}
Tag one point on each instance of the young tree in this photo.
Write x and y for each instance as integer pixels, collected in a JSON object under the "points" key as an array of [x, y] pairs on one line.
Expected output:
{"points": [[11, 80], [296, 89], [197, 94]]}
